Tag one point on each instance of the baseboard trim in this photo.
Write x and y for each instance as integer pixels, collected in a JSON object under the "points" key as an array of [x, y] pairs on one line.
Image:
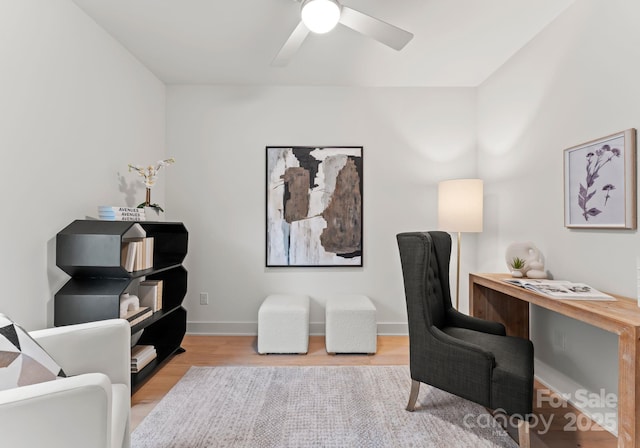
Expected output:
{"points": [[251, 328]]}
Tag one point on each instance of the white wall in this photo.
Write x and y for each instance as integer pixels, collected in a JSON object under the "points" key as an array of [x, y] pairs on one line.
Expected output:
{"points": [[75, 109], [575, 82], [412, 139]]}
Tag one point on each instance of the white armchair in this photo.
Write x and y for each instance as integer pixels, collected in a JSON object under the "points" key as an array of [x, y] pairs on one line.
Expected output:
{"points": [[90, 408]]}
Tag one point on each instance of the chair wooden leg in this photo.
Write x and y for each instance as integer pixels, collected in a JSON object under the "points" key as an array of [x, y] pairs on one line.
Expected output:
{"points": [[413, 396], [524, 437]]}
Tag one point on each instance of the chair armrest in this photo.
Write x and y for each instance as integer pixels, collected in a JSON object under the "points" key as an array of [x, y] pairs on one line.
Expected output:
{"points": [[457, 319], [62, 413], [102, 346], [455, 366], [467, 351]]}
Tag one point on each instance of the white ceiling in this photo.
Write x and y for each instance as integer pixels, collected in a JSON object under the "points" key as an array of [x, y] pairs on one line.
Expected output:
{"points": [[456, 43]]}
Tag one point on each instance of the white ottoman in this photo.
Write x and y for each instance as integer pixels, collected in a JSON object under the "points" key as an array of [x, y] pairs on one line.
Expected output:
{"points": [[350, 325], [283, 324]]}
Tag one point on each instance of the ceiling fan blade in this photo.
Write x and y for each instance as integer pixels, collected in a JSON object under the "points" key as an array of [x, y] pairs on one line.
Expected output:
{"points": [[383, 32], [291, 46]]}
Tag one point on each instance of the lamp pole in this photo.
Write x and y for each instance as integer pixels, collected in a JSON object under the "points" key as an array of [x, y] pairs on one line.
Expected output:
{"points": [[458, 274]]}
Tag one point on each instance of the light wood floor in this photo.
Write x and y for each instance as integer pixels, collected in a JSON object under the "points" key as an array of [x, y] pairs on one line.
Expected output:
{"points": [[392, 350]]}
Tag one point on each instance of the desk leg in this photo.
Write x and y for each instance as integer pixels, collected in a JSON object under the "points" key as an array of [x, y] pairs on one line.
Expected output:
{"points": [[628, 390], [488, 304]]}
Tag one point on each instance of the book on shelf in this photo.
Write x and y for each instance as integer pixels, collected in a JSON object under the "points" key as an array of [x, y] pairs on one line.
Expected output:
{"points": [[139, 365], [128, 256], [121, 218], [138, 264], [137, 253], [150, 294], [107, 213], [142, 352], [148, 252], [136, 316], [116, 209], [139, 214], [141, 356], [561, 289]]}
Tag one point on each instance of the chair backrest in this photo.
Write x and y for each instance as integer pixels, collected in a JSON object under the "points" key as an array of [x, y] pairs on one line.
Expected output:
{"points": [[425, 267]]}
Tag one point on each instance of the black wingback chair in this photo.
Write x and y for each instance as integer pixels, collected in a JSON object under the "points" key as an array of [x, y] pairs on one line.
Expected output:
{"points": [[463, 355]]}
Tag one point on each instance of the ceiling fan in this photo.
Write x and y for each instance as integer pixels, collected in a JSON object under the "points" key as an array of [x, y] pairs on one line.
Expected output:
{"points": [[321, 16]]}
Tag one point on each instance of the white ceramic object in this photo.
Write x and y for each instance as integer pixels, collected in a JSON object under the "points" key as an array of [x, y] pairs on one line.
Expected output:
{"points": [[536, 265], [528, 252], [536, 270], [128, 302]]}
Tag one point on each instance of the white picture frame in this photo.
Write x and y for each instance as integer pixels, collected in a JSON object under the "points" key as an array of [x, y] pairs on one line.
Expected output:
{"points": [[600, 183]]}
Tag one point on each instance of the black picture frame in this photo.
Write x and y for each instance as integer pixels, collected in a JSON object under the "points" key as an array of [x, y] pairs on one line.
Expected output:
{"points": [[314, 206]]}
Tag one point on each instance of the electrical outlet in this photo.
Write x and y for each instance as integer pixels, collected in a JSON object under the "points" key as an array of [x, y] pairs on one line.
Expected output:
{"points": [[204, 298]]}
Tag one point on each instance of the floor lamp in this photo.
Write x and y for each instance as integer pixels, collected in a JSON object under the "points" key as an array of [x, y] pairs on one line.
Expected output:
{"points": [[460, 210]]}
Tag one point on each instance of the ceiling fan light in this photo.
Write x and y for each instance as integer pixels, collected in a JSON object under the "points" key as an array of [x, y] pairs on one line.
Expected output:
{"points": [[320, 16]]}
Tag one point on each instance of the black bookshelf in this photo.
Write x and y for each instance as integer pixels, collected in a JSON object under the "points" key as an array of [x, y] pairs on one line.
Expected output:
{"points": [[90, 251]]}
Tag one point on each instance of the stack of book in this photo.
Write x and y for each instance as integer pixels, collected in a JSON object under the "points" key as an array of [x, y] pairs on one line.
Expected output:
{"points": [[112, 213], [137, 253], [150, 294], [141, 355], [136, 316]]}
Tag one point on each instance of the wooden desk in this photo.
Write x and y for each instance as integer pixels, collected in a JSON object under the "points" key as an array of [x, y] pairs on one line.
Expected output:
{"points": [[492, 299]]}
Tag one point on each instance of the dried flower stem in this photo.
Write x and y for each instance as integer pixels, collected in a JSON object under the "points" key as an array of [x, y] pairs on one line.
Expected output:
{"points": [[150, 175]]}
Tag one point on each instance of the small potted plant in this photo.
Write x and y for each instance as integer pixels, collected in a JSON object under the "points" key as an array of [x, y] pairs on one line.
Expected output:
{"points": [[517, 267]]}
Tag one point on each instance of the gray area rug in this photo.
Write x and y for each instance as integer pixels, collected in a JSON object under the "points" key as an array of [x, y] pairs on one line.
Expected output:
{"points": [[361, 406]]}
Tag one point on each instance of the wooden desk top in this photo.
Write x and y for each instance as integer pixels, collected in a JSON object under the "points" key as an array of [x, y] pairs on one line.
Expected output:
{"points": [[613, 316]]}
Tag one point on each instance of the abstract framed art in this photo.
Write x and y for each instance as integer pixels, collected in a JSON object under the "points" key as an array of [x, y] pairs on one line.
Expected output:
{"points": [[600, 183], [314, 206]]}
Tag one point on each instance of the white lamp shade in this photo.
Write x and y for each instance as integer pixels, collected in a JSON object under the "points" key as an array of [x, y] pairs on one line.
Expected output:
{"points": [[460, 205], [320, 16]]}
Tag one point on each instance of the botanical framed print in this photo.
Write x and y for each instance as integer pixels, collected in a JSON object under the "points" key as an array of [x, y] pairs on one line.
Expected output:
{"points": [[314, 206], [600, 183]]}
